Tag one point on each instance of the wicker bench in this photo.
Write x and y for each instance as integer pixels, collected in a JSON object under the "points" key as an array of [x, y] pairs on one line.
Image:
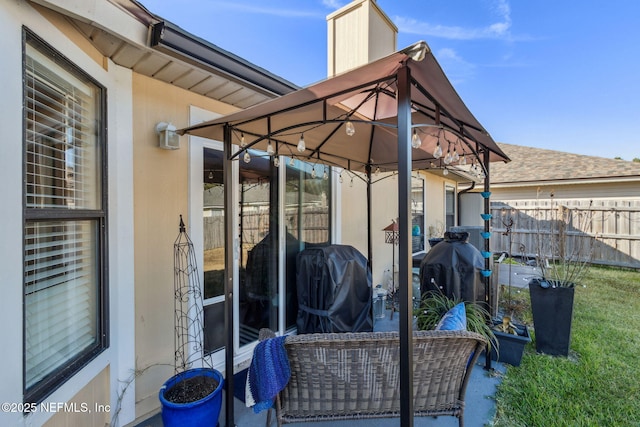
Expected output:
{"points": [[357, 376]]}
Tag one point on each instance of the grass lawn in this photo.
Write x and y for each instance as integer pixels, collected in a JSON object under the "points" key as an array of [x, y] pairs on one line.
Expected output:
{"points": [[599, 383]]}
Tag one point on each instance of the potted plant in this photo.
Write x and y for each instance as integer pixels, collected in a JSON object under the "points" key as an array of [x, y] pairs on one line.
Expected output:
{"points": [[193, 395], [434, 305], [563, 255], [512, 337]]}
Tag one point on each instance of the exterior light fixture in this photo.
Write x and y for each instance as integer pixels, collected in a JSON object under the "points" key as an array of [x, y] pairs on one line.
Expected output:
{"points": [[246, 157], [168, 138], [243, 143], [270, 150]]}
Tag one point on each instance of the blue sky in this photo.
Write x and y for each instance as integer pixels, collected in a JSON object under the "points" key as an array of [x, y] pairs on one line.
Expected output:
{"points": [[541, 73]]}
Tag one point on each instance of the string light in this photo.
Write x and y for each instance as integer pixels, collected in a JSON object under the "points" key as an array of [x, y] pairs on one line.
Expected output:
{"points": [[243, 143], [448, 158], [301, 145], [246, 157], [349, 128], [416, 142], [276, 161], [437, 153], [325, 175], [270, 150], [313, 172]]}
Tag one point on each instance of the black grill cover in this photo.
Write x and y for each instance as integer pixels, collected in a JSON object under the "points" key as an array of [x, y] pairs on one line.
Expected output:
{"points": [[454, 266], [334, 290]]}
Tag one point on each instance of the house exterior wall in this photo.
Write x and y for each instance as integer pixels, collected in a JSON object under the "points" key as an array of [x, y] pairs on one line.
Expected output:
{"points": [[161, 190], [89, 398], [117, 361], [384, 200], [589, 190]]}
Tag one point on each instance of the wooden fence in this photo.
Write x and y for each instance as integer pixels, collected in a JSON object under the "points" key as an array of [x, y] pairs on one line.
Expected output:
{"points": [[607, 232], [315, 226]]}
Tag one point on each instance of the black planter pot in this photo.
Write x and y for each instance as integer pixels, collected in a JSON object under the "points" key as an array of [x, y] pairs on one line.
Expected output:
{"points": [[552, 309], [510, 346]]}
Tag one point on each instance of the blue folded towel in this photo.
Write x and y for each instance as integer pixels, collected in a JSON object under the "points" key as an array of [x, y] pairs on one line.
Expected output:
{"points": [[268, 374]]}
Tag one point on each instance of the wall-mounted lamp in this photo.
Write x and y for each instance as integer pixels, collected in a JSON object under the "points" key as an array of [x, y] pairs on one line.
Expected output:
{"points": [[168, 138]]}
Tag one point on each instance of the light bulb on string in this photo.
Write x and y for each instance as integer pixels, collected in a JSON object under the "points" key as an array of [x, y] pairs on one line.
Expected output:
{"points": [[270, 150], [448, 157], [276, 161], [349, 128], [246, 157], [463, 159], [416, 142], [243, 143], [325, 175], [437, 153], [301, 145], [210, 174], [377, 172], [291, 161], [455, 156], [313, 172], [445, 171]]}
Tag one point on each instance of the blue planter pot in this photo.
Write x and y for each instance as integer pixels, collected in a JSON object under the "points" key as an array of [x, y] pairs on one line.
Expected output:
{"points": [[203, 412]]}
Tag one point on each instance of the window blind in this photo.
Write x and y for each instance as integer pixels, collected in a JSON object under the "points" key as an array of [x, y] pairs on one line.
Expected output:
{"points": [[63, 170], [60, 294], [61, 156]]}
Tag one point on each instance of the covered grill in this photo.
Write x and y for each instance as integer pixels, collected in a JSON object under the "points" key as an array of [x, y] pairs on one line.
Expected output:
{"points": [[454, 266], [334, 290]]}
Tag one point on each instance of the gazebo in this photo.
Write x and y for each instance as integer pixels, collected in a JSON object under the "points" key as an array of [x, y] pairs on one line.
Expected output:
{"points": [[399, 113]]}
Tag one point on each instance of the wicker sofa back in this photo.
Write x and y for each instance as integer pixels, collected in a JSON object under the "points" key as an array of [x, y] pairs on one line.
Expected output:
{"points": [[357, 375]]}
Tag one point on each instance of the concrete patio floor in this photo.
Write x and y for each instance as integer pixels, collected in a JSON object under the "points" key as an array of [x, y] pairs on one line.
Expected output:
{"points": [[479, 409]]}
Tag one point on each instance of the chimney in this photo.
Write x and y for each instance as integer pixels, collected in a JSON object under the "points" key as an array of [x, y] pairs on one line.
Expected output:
{"points": [[357, 34]]}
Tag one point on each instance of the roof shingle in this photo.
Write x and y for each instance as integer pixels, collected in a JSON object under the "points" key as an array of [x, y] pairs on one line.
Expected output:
{"points": [[536, 164]]}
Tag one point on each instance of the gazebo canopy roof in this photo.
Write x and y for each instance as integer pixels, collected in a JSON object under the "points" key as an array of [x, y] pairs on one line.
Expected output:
{"points": [[366, 97]]}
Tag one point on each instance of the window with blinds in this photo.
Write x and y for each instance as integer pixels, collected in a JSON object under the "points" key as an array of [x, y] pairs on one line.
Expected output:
{"points": [[64, 219]]}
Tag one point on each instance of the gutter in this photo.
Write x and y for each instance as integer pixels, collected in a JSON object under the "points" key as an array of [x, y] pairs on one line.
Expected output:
{"points": [[176, 42]]}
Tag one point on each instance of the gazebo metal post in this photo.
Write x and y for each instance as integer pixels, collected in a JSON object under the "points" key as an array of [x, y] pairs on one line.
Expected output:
{"points": [[229, 237], [487, 247], [369, 205], [404, 221]]}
